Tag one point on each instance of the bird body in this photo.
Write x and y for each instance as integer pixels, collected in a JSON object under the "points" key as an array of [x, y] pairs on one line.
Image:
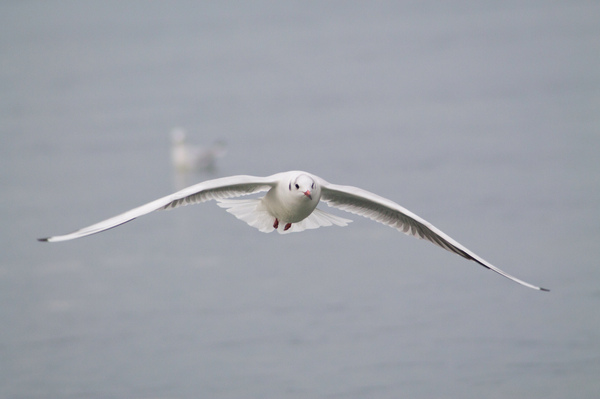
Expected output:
{"points": [[294, 202], [290, 205]]}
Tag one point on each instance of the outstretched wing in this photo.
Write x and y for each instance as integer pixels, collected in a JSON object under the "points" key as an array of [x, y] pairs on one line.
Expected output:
{"points": [[382, 210], [227, 187]]}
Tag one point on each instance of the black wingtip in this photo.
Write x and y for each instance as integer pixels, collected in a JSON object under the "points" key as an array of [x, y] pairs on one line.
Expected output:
{"points": [[544, 289], [43, 239]]}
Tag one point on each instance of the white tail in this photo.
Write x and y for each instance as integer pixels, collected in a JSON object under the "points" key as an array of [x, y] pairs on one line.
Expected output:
{"points": [[253, 212]]}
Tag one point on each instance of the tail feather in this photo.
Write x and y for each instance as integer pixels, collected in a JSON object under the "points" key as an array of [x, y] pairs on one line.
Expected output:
{"points": [[253, 212], [316, 219], [250, 211]]}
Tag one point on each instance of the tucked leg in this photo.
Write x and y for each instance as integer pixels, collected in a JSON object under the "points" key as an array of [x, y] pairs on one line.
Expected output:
{"points": [[276, 224], [287, 227]]}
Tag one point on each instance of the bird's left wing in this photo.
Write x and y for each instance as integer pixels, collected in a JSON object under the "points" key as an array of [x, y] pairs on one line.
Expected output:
{"points": [[226, 187], [383, 210]]}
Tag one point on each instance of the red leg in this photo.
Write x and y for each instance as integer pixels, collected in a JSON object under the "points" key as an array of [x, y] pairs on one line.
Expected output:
{"points": [[276, 224], [287, 227]]}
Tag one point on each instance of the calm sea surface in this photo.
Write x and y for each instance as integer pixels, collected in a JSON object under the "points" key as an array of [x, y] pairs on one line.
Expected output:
{"points": [[482, 117]]}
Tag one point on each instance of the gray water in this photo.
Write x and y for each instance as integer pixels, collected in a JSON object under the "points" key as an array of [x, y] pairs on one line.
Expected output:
{"points": [[481, 117]]}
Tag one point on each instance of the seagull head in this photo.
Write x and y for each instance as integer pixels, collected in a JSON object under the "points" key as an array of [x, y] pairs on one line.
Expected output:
{"points": [[304, 185], [178, 135]]}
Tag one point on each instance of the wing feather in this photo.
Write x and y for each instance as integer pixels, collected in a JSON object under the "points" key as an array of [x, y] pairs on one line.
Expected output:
{"points": [[385, 211], [227, 187]]}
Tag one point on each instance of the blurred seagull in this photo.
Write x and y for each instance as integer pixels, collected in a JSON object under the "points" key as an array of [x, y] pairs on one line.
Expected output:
{"points": [[290, 205], [190, 158]]}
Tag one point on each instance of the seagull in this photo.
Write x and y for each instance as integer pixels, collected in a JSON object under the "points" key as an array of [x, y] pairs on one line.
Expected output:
{"points": [[189, 158], [290, 205]]}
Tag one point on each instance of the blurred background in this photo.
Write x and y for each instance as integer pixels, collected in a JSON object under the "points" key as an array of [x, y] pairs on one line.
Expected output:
{"points": [[480, 116]]}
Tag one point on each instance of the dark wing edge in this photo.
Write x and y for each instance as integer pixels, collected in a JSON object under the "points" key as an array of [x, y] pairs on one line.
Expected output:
{"points": [[227, 187], [382, 210]]}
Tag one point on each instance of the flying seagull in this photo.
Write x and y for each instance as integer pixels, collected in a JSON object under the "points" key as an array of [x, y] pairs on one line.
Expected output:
{"points": [[290, 205]]}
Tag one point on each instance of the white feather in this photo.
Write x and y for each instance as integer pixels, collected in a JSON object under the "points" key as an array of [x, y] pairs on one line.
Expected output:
{"points": [[291, 199]]}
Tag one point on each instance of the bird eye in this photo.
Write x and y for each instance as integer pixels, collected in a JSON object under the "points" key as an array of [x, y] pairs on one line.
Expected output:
{"points": [[290, 186], [312, 185], [297, 185]]}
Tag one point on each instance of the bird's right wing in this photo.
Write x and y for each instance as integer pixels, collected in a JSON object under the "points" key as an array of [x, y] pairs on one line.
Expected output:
{"points": [[226, 187]]}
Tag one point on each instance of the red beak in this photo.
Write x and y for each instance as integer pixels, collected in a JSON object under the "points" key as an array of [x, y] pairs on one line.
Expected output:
{"points": [[307, 193]]}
